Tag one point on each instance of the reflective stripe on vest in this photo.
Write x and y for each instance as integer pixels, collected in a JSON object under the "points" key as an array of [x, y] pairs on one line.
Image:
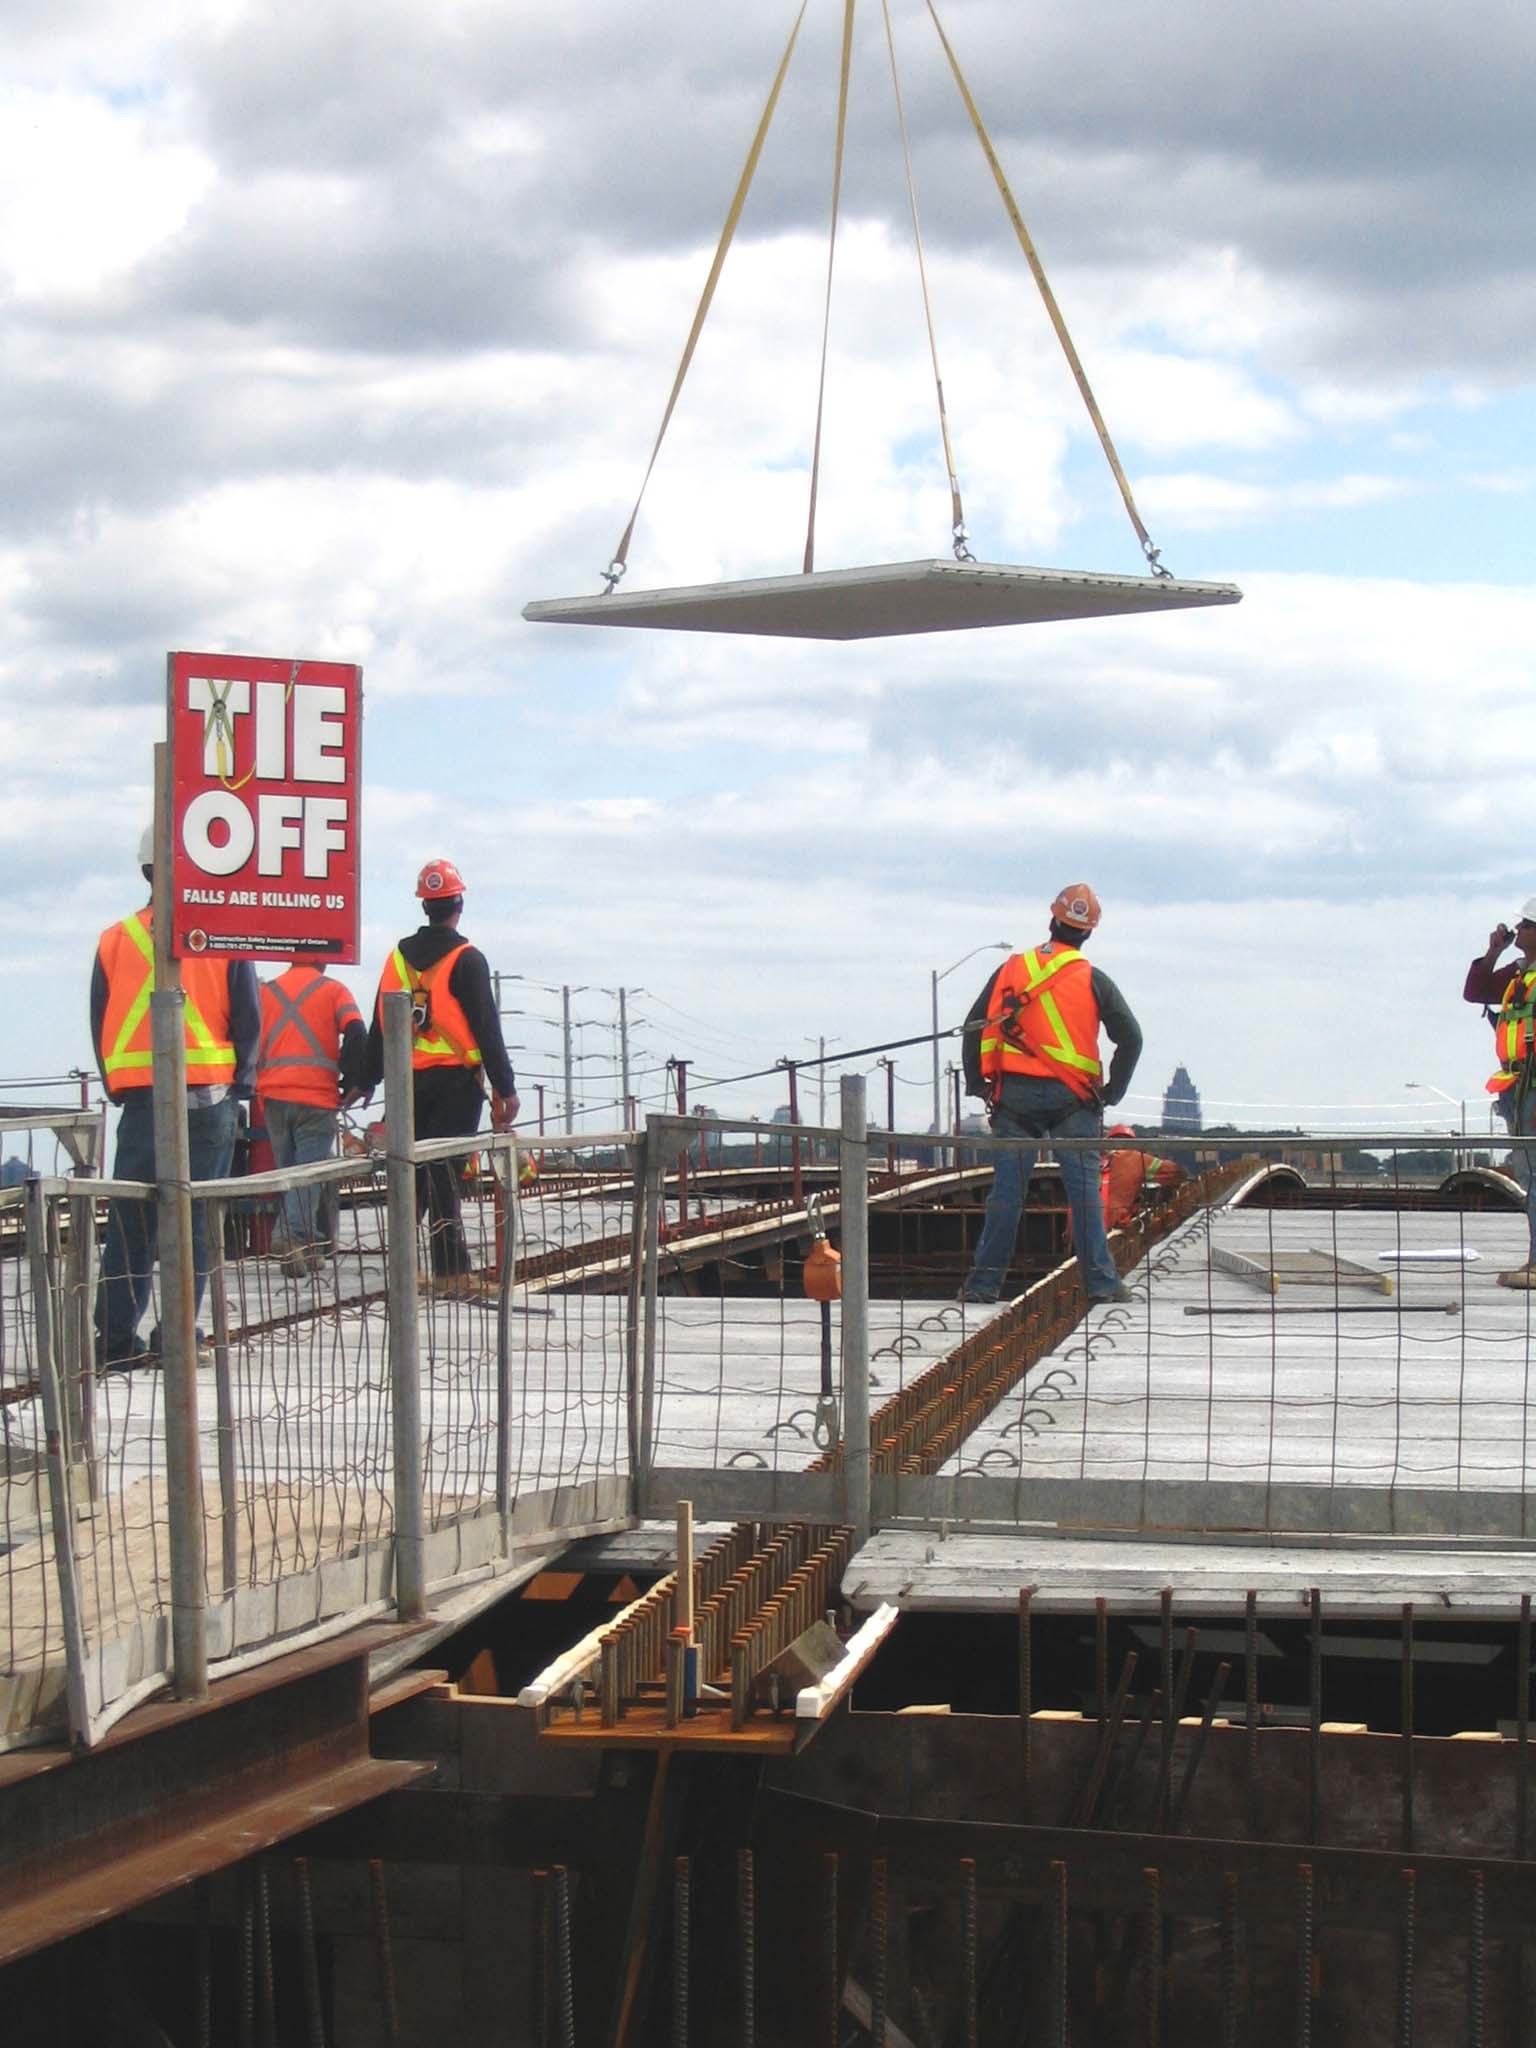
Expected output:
{"points": [[448, 1040], [1004, 1050], [290, 1010], [1514, 1031], [129, 1063]]}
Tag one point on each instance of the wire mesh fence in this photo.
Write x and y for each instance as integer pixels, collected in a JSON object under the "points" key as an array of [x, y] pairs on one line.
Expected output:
{"points": [[1316, 1335], [520, 1371]]}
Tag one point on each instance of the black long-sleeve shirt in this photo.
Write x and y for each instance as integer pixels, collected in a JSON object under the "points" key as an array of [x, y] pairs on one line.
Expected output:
{"points": [[1115, 1018], [244, 1022], [469, 983]]}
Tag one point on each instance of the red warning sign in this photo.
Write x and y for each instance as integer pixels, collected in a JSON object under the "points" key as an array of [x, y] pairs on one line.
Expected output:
{"points": [[265, 806]]}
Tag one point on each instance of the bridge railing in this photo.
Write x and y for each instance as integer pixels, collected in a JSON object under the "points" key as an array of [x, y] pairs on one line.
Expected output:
{"points": [[368, 1426], [1317, 1342]]}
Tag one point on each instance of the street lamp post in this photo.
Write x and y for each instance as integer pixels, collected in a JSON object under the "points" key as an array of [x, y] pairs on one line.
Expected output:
{"points": [[1456, 1103], [942, 974]]}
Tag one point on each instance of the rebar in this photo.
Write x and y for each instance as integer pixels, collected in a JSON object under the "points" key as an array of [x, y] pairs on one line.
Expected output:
{"points": [[247, 2011], [1151, 1956], [1406, 1944], [309, 1955], [879, 1937], [746, 1947], [1522, 1726], [202, 1965], [1304, 1936], [265, 1985], [832, 1983], [539, 1962], [1026, 1698], [1315, 1717], [1100, 1658], [384, 1949], [969, 1944], [682, 1909], [1060, 1959], [1229, 1969], [1477, 1976], [1406, 1775], [565, 1983]]}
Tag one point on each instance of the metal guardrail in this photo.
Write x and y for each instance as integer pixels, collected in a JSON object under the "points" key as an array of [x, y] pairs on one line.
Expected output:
{"points": [[365, 1438]]}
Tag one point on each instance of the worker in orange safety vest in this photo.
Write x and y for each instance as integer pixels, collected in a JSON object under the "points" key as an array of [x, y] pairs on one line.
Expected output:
{"points": [[1128, 1174], [1031, 1048], [222, 1024], [1513, 988], [313, 1057], [456, 1048]]}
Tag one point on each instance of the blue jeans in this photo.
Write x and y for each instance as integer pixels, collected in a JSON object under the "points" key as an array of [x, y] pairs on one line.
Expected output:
{"points": [[301, 1133], [1521, 1119], [133, 1228], [1041, 1108]]}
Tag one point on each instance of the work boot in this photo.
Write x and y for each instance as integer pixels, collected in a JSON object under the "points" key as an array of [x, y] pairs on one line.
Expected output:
{"points": [[1119, 1292], [294, 1265], [1522, 1277]]}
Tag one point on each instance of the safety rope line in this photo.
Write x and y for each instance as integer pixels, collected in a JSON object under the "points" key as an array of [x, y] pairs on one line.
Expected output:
{"points": [[826, 311], [218, 726], [620, 560], [956, 509], [1031, 257]]}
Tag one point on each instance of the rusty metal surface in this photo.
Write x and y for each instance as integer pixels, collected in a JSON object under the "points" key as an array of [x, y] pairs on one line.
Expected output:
{"points": [[182, 1788]]}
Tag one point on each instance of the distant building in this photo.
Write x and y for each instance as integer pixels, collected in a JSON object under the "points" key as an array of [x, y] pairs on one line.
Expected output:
{"points": [[1181, 1103]]}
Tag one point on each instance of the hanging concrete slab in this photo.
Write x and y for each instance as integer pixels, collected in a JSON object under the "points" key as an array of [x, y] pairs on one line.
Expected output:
{"points": [[884, 602]]}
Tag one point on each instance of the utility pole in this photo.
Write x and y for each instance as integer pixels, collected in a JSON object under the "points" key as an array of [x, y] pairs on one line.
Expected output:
{"points": [[821, 1082], [624, 1047], [680, 1069], [565, 1030]]}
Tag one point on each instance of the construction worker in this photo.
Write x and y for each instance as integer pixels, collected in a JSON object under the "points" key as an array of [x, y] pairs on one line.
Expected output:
{"points": [[1031, 1050], [1512, 988], [1127, 1176], [456, 1046], [314, 1055], [223, 1024]]}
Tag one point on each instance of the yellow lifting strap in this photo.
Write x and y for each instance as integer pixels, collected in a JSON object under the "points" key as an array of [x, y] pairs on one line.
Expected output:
{"points": [[620, 560], [1048, 296], [956, 509], [826, 311]]}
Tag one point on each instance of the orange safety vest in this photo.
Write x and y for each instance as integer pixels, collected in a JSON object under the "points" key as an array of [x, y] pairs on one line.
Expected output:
{"points": [[1042, 1019], [1126, 1176], [1513, 1031], [127, 955], [440, 1035], [304, 1015]]}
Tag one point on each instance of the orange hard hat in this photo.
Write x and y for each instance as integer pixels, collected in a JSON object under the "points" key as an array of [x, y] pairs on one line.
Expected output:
{"points": [[1077, 905], [437, 879], [1120, 1131]]}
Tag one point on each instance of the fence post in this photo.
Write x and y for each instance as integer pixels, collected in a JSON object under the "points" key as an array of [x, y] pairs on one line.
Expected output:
{"points": [[404, 1347], [218, 1301], [80, 1340], [60, 1500], [655, 1193], [853, 1185], [507, 1188], [633, 1311], [178, 1346]]}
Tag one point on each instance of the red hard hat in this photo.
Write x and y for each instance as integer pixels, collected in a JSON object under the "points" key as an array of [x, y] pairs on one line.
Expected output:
{"points": [[1077, 905], [1121, 1131], [437, 879]]}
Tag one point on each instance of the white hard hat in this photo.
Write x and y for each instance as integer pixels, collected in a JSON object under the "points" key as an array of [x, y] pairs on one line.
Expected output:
{"points": [[1528, 910], [147, 847]]}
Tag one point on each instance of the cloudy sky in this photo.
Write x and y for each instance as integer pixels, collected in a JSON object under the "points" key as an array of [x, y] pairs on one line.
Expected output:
{"points": [[344, 330]]}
